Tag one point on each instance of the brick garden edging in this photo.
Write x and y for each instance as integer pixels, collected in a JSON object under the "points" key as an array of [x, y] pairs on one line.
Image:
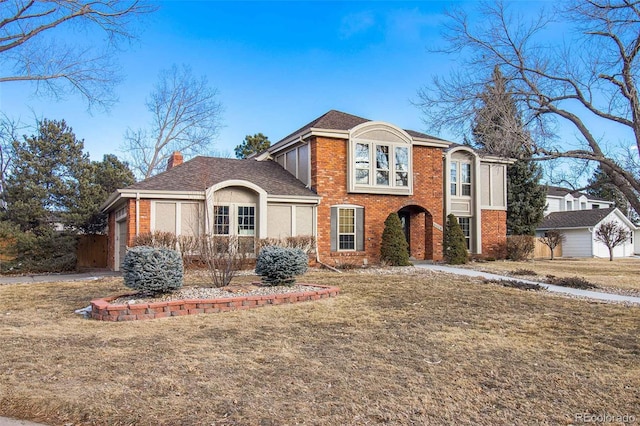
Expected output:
{"points": [[102, 310]]}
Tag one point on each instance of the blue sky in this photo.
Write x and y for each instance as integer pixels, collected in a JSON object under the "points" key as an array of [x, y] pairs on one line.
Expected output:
{"points": [[276, 65]]}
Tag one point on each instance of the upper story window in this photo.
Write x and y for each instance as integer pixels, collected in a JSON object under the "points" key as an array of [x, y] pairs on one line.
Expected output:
{"points": [[379, 160], [460, 179], [381, 167], [388, 168]]}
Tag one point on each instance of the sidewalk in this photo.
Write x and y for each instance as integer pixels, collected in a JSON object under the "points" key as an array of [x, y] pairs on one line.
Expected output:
{"points": [[608, 297], [49, 278], [5, 421]]}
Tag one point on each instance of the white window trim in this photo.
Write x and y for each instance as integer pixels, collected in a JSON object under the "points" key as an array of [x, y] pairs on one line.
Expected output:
{"points": [[372, 187], [468, 238], [355, 228], [233, 219], [458, 183]]}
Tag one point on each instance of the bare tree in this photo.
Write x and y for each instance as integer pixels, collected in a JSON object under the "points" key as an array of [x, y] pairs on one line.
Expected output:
{"points": [[31, 48], [552, 239], [583, 80], [9, 130], [612, 234], [185, 117]]}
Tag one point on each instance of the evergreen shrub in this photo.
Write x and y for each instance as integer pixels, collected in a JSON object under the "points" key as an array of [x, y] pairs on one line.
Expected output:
{"points": [[152, 270], [26, 252], [455, 247], [279, 265], [394, 248]]}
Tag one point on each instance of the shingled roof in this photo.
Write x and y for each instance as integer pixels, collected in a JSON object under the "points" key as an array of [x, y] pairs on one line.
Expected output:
{"points": [[574, 219], [200, 173], [338, 120]]}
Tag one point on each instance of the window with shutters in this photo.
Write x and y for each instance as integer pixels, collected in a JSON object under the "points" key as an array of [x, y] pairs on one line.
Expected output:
{"points": [[347, 228]]}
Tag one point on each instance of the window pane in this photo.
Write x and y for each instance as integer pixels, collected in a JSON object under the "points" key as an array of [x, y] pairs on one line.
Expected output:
{"points": [[221, 220], [465, 224], [362, 155], [362, 176], [382, 157], [454, 178], [402, 159], [466, 189], [402, 179], [246, 220], [346, 221], [382, 178], [347, 242], [465, 173]]}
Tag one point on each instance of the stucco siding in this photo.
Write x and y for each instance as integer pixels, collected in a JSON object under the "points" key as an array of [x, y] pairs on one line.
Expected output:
{"points": [[278, 221]]}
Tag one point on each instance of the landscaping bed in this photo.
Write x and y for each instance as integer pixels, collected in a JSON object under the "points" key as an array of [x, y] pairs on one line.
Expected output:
{"points": [[204, 300]]}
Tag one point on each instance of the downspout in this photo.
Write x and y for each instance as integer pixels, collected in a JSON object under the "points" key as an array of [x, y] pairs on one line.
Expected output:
{"points": [[137, 214], [315, 216]]}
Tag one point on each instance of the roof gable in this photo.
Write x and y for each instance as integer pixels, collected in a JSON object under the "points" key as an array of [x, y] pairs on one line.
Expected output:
{"points": [[557, 191]]}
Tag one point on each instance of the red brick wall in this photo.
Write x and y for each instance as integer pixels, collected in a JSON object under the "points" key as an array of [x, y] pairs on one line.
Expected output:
{"points": [[329, 180], [144, 215], [494, 233]]}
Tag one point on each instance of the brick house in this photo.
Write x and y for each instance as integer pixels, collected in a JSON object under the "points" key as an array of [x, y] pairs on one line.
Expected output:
{"points": [[336, 178]]}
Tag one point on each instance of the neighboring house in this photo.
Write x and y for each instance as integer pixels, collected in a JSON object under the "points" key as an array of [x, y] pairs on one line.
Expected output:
{"points": [[336, 178], [563, 199], [579, 229]]}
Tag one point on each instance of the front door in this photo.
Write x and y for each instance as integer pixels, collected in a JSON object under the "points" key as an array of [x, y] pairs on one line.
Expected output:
{"points": [[405, 220]]}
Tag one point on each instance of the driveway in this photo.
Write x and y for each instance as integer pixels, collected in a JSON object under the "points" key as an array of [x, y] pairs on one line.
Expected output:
{"points": [[48, 278]]}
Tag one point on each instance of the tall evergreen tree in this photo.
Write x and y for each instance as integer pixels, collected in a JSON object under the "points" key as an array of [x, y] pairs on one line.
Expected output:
{"points": [[526, 198], [601, 186], [498, 130], [48, 168], [252, 145], [94, 185], [51, 179]]}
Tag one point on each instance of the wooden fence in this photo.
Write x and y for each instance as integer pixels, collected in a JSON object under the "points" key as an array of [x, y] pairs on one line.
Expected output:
{"points": [[543, 251], [92, 251]]}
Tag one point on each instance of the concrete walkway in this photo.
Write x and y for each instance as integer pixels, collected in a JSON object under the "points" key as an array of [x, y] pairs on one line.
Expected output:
{"points": [[608, 297], [50, 278], [5, 421]]}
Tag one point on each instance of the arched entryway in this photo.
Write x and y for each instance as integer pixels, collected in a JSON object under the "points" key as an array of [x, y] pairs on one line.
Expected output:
{"points": [[417, 224]]}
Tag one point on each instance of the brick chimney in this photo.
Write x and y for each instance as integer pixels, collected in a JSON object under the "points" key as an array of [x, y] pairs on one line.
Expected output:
{"points": [[174, 160]]}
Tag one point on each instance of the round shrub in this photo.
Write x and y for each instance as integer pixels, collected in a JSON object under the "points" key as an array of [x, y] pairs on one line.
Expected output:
{"points": [[152, 270], [279, 265]]}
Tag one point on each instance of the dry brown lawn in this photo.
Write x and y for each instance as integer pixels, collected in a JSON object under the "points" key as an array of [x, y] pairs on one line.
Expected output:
{"points": [[395, 349], [621, 273]]}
